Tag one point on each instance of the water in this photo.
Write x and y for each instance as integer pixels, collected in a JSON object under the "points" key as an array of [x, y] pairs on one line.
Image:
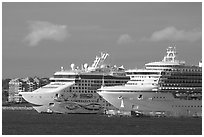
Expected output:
{"points": [[31, 123]]}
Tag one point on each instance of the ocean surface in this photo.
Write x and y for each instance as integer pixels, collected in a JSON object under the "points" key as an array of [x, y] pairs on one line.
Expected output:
{"points": [[29, 122]]}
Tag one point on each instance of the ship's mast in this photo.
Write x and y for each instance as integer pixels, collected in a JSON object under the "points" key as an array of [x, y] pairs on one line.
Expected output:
{"points": [[99, 60], [171, 55]]}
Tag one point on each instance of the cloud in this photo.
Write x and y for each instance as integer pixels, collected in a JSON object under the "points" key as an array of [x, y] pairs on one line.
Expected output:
{"points": [[41, 30], [173, 34], [85, 28], [125, 39]]}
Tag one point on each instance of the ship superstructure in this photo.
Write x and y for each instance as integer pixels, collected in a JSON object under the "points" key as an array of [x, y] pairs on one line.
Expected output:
{"points": [[75, 90], [168, 87]]}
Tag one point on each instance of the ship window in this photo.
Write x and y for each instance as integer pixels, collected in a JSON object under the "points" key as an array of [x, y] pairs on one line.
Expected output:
{"points": [[51, 104]]}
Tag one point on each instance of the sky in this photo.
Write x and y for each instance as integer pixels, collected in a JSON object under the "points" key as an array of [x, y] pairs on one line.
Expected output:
{"points": [[39, 38]]}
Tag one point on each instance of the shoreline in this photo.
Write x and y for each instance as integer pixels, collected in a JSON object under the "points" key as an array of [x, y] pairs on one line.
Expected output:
{"points": [[16, 108]]}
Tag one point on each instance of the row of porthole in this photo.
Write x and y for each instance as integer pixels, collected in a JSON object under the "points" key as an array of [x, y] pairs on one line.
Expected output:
{"points": [[82, 91], [87, 91], [100, 81], [159, 97], [88, 85], [194, 73], [181, 82], [178, 69], [84, 100], [185, 88], [79, 87], [107, 105]]}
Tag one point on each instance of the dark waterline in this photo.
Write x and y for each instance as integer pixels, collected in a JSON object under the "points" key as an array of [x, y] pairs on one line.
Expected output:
{"points": [[32, 123]]}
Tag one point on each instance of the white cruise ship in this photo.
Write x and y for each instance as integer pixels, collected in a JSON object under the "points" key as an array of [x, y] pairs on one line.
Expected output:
{"points": [[75, 90], [168, 87]]}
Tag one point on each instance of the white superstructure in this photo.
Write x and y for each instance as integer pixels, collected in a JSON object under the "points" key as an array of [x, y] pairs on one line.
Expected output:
{"points": [[168, 87], [74, 91]]}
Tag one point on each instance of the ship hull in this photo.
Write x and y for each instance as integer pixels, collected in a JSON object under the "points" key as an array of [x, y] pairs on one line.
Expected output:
{"points": [[70, 107], [39, 98], [153, 103], [59, 101], [46, 94]]}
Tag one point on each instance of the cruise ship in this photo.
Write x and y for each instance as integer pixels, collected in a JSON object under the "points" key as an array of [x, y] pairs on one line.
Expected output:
{"points": [[168, 88], [75, 90]]}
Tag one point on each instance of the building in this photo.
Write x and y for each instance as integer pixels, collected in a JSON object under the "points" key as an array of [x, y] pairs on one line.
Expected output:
{"points": [[30, 84], [15, 86], [4, 95], [37, 82], [27, 84], [5, 89]]}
